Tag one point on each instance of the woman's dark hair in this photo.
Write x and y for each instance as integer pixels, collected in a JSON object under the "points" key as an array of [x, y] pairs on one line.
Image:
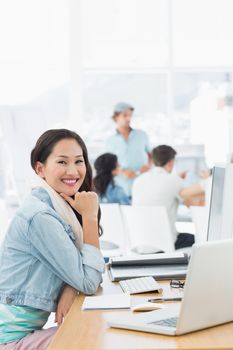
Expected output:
{"points": [[104, 165], [44, 147], [162, 154]]}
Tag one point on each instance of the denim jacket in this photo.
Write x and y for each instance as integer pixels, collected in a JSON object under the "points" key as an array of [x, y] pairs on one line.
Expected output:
{"points": [[115, 194], [38, 257]]}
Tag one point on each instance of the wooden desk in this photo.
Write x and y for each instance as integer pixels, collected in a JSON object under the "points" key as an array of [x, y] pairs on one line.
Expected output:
{"points": [[87, 330]]}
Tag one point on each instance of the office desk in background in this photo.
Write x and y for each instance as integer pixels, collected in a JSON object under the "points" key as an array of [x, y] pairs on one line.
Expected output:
{"points": [[87, 330]]}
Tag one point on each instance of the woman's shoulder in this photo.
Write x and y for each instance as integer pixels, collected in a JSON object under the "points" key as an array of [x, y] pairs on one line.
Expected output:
{"points": [[116, 194], [36, 202], [30, 208]]}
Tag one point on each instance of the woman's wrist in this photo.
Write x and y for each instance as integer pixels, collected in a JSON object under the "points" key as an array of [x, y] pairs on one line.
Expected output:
{"points": [[90, 217], [90, 230]]}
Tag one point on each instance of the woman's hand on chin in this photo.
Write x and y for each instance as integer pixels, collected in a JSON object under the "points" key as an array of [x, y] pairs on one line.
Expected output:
{"points": [[85, 203]]}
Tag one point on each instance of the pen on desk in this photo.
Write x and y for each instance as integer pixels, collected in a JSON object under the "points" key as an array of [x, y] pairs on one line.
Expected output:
{"points": [[164, 299]]}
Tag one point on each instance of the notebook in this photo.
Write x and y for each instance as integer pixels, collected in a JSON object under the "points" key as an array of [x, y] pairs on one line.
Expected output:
{"points": [[112, 301]]}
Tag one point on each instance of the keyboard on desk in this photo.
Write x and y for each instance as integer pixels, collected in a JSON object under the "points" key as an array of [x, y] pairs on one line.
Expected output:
{"points": [[140, 285]]}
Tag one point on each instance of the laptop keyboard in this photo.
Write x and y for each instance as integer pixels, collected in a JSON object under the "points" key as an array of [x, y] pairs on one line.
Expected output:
{"points": [[168, 322]]}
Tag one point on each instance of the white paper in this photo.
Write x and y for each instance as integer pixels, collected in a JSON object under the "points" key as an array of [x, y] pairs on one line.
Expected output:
{"points": [[112, 301]]}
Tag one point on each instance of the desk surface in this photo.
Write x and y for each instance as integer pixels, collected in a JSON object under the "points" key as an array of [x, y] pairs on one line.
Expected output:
{"points": [[87, 330]]}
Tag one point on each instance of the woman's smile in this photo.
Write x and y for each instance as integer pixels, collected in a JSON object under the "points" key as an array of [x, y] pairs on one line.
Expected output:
{"points": [[70, 182]]}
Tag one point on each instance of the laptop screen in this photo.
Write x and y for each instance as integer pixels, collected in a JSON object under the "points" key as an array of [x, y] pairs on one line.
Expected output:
{"points": [[216, 202]]}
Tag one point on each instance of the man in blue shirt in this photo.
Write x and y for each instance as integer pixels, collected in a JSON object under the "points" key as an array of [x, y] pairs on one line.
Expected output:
{"points": [[131, 147]]}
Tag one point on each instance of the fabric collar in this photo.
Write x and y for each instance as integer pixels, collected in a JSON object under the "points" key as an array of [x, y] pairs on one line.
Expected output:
{"points": [[130, 130], [159, 169], [63, 209]]}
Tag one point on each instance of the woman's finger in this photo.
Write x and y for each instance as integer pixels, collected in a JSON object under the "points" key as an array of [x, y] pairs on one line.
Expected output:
{"points": [[67, 198], [59, 318]]}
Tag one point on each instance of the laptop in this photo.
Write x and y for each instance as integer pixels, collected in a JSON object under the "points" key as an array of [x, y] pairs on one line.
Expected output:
{"points": [[207, 298]]}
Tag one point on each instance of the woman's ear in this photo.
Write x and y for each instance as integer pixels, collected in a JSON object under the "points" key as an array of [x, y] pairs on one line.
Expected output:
{"points": [[39, 169]]}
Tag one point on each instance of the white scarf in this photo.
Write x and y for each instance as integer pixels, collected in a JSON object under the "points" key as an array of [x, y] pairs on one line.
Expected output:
{"points": [[64, 210]]}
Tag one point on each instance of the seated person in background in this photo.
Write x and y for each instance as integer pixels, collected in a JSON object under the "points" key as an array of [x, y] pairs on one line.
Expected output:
{"points": [[160, 187], [106, 167]]}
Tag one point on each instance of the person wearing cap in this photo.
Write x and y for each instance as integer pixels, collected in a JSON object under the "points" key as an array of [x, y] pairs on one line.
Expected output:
{"points": [[131, 146]]}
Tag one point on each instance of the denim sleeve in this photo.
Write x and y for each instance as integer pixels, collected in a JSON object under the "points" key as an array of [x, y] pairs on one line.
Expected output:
{"points": [[120, 196], [52, 246]]}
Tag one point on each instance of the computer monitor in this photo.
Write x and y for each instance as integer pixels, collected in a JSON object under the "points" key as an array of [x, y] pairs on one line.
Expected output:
{"points": [[216, 204], [227, 204], [190, 158]]}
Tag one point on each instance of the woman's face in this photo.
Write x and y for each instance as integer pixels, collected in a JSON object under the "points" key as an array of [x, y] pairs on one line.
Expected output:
{"points": [[116, 171], [64, 169]]}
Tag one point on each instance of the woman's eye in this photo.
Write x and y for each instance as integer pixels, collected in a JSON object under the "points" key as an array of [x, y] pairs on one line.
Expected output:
{"points": [[63, 162]]}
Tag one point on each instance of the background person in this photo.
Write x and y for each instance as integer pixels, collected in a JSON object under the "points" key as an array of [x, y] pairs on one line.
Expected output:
{"points": [[51, 249], [131, 147], [107, 169], [160, 186]]}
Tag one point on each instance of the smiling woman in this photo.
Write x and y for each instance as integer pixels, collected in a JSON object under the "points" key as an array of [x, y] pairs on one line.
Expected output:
{"points": [[51, 249], [65, 168], [61, 155]]}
